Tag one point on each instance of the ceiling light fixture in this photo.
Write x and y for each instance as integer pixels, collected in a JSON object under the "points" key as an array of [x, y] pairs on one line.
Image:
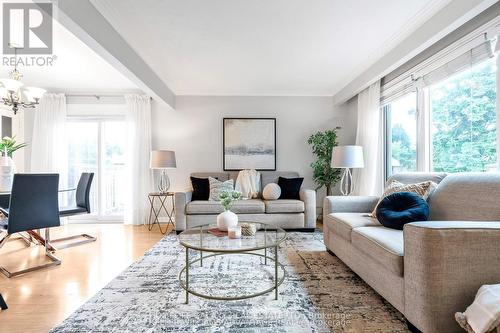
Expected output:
{"points": [[15, 94]]}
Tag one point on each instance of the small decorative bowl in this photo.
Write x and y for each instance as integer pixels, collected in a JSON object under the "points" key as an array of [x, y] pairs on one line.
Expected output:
{"points": [[248, 229]]}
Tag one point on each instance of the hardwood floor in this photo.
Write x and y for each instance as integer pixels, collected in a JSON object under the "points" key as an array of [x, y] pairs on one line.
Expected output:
{"points": [[40, 300]]}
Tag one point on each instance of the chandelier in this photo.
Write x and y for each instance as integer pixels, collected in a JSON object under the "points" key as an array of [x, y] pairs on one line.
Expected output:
{"points": [[15, 94]]}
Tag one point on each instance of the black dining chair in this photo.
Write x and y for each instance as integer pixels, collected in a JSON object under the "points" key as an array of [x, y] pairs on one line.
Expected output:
{"points": [[80, 206], [3, 304], [33, 205]]}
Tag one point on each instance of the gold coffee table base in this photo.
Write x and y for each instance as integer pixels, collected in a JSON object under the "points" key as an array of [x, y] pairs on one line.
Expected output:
{"points": [[184, 281]]}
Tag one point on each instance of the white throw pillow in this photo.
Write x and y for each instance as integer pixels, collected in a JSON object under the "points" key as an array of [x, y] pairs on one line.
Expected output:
{"points": [[272, 191], [216, 186]]}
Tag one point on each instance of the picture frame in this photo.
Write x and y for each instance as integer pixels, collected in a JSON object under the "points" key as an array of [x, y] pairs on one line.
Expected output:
{"points": [[249, 143]]}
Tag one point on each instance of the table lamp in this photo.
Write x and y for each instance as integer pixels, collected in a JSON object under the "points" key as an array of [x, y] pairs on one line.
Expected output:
{"points": [[347, 157], [163, 159]]}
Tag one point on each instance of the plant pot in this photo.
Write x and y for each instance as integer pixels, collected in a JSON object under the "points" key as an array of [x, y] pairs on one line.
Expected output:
{"points": [[227, 219], [7, 171]]}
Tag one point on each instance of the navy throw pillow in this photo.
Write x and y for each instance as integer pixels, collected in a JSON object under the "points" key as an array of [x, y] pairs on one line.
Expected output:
{"points": [[399, 208], [290, 187]]}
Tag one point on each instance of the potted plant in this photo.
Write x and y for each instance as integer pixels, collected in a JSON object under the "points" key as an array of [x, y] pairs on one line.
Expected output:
{"points": [[8, 146], [322, 144], [227, 218]]}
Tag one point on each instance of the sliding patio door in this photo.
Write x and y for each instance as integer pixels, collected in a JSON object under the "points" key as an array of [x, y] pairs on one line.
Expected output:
{"points": [[99, 146]]}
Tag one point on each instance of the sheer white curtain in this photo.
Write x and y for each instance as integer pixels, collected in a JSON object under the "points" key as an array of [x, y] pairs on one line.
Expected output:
{"points": [[49, 144], [370, 179], [139, 144]]}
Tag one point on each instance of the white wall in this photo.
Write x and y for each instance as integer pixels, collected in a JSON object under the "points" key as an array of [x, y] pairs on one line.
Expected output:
{"points": [[194, 130]]}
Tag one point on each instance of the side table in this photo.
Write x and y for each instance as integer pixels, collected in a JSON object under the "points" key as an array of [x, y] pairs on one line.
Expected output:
{"points": [[155, 213]]}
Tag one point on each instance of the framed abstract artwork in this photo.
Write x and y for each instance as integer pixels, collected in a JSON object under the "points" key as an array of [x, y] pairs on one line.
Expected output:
{"points": [[249, 143]]}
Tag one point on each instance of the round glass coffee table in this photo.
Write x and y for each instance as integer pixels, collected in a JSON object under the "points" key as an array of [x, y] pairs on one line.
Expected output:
{"points": [[202, 239]]}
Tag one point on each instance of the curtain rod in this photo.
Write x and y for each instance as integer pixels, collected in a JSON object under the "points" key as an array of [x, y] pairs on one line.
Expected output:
{"points": [[93, 95]]}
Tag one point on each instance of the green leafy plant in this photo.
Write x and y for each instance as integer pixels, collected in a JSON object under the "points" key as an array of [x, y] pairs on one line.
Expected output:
{"points": [[10, 145], [322, 144], [228, 197]]}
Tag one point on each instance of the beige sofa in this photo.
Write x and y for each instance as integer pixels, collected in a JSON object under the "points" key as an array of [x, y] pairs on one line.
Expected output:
{"points": [[287, 214], [431, 269]]}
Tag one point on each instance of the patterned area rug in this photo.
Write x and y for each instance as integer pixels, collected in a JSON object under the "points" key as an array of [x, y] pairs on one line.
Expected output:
{"points": [[319, 294]]}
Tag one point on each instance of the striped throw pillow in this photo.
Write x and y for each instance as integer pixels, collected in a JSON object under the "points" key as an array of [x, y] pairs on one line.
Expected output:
{"points": [[216, 186], [423, 189]]}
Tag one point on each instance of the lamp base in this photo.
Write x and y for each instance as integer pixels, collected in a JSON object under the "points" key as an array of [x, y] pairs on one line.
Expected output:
{"points": [[163, 182], [346, 182]]}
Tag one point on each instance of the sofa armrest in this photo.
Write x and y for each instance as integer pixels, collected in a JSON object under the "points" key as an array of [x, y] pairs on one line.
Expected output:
{"points": [[445, 263], [309, 199], [349, 204], [181, 199]]}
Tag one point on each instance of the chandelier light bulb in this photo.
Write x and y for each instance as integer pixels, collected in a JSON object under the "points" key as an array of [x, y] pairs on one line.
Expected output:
{"points": [[35, 93]]}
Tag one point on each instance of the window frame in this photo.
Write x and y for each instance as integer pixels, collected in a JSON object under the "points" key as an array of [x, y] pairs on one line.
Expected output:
{"points": [[387, 126], [424, 123]]}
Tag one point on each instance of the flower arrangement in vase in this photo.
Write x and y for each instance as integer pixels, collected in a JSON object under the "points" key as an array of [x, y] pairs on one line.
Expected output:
{"points": [[227, 218]]}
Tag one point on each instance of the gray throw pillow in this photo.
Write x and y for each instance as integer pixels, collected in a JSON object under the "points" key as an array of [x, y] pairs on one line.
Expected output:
{"points": [[216, 186]]}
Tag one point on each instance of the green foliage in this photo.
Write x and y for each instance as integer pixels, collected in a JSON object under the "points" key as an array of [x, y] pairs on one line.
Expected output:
{"points": [[10, 144], [464, 120], [322, 144], [228, 197], [402, 149]]}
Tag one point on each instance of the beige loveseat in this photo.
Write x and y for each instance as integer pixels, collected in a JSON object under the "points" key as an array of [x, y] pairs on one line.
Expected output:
{"points": [[285, 213], [431, 269]]}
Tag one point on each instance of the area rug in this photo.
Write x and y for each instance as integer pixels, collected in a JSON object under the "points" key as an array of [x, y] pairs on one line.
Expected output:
{"points": [[319, 294]]}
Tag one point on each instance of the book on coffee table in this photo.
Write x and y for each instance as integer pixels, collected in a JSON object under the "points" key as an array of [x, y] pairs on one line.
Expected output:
{"points": [[217, 232]]}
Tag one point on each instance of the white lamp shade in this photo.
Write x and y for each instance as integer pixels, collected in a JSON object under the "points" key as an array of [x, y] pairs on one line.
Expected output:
{"points": [[163, 159], [347, 157]]}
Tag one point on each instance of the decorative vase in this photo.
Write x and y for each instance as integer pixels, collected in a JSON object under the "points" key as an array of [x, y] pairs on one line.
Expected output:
{"points": [[227, 219], [7, 171]]}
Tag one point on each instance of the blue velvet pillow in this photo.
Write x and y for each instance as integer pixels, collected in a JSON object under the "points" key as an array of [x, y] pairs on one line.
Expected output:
{"points": [[399, 208]]}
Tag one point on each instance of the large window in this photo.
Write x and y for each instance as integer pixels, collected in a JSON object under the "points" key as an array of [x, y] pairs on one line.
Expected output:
{"points": [[446, 124], [99, 146], [401, 126], [463, 120]]}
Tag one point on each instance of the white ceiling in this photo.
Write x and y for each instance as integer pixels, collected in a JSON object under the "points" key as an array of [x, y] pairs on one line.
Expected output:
{"points": [[263, 47], [76, 69]]}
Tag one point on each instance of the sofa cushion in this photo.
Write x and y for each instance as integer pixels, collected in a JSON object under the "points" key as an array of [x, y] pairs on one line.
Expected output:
{"points": [[382, 244], [222, 176], [252, 206], [467, 196], [272, 176], [284, 206], [343, 223], [416, 177]]}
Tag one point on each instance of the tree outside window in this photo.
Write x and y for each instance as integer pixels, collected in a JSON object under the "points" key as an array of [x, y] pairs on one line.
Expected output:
{"points": [[463, 115]]}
